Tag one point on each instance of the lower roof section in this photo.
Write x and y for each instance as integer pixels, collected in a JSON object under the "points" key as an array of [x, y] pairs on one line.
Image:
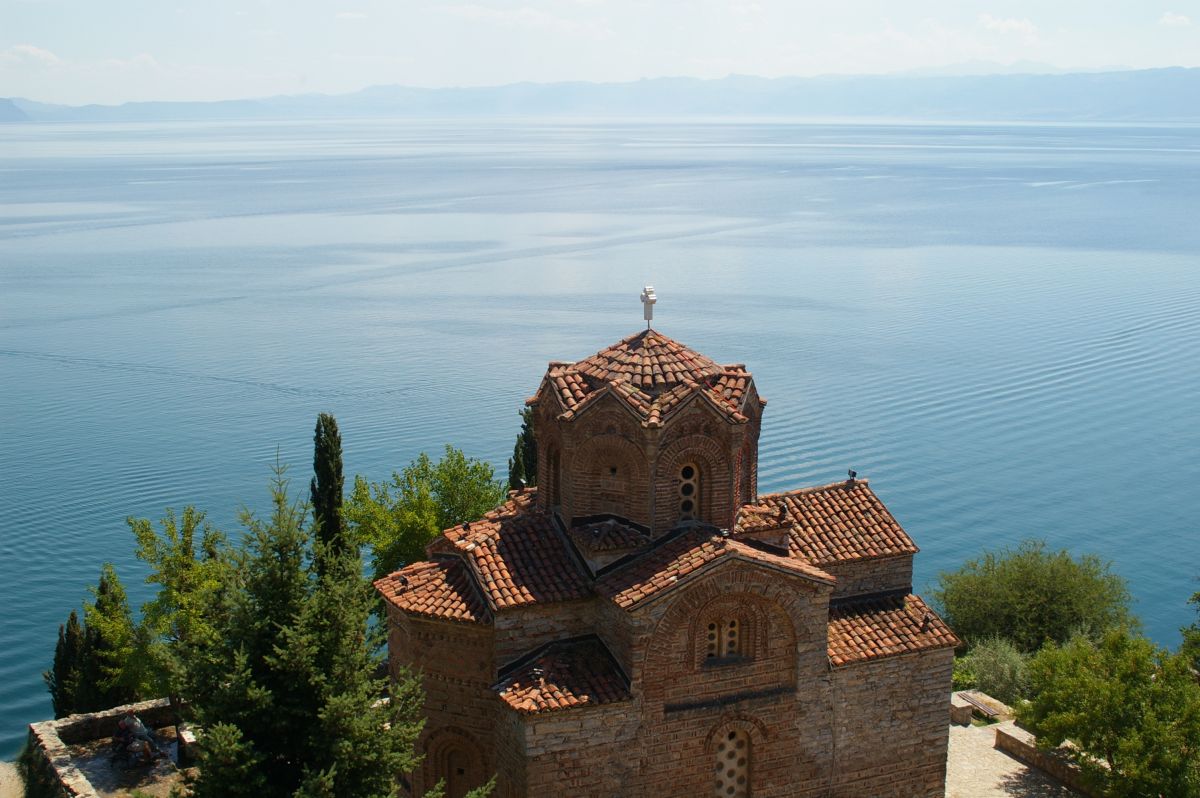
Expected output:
{"points": [[874, 627], [439, 588], [578, 672]]}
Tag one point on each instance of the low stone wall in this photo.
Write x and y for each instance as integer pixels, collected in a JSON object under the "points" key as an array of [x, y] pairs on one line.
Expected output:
{"points": [[1022, 745], [49, 742]]}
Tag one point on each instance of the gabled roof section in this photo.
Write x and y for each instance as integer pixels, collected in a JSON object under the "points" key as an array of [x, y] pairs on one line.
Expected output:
{"points": [[517, 555], [440, 589], [830, 524], [684, 555], [653, 376], [565, 674], [865, 629]]}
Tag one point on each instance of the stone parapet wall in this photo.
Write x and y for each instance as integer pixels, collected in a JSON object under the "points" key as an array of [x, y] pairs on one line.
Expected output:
{"points": [[49, 742], [1022, 745]]}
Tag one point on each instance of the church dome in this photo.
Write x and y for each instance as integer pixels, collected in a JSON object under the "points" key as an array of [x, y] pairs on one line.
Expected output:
{"points": [[650, 362]]}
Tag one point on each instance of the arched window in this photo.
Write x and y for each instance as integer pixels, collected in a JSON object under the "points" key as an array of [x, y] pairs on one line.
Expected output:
{"points": [[689, 492], [732, 765], [723, 639]]}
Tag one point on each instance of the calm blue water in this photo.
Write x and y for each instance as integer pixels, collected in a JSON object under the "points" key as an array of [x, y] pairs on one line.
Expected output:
{"points": [[1000, 326]]}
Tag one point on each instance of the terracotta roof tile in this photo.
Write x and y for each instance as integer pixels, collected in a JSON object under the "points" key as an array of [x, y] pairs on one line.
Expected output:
{"points": [[829, 524], [653, 375], [610, 535], [437, 589], [866, 629], [676, 558], [562, 675], [518, 557]]}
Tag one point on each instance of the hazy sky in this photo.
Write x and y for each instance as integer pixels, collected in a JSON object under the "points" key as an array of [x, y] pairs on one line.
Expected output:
{"points": [[109, 51]]}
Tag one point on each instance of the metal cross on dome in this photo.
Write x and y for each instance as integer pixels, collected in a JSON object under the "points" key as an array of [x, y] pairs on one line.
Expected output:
{"points": [[648, 300]]}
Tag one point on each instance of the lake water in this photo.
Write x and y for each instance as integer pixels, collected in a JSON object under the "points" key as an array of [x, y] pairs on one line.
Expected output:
{"points": [[999, 325]]}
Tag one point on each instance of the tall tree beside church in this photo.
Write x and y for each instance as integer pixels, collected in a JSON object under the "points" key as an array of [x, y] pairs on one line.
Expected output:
{"points": [[286, 689], [523, 465], [327, 482], [63, 678]]}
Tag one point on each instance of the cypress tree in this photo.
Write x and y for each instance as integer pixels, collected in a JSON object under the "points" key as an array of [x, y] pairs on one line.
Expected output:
{"points": [[63, 678], [327, 482], [522, 466]]}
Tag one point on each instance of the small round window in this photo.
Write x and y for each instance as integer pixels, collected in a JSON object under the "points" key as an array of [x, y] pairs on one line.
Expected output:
{"points": [[689, 492]]}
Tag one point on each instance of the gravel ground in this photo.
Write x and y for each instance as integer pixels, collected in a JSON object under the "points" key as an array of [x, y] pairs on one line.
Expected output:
{"points": [[975, 768]]}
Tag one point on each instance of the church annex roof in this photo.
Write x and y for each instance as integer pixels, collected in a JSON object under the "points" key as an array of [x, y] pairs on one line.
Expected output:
{"points": [[438, 588], [517, 555], [874, 627], [652, 375], [829, 524], [561, 675]]}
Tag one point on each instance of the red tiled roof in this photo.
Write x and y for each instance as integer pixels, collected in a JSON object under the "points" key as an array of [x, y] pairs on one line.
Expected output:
{"points": [[867, 629], [562, 675], [517, 555], [671, 562], [653, 375], [610, 535], [437, 589], [830, 524]]}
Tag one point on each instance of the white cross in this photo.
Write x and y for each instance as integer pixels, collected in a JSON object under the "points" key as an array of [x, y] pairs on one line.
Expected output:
{"points": [[648, 300]]}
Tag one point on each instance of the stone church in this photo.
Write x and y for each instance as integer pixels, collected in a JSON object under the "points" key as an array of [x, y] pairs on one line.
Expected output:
{"points": [[644, 623]]}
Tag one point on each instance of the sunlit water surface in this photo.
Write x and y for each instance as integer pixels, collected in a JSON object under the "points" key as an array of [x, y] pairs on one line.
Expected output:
{"points": [[1000, 326]]}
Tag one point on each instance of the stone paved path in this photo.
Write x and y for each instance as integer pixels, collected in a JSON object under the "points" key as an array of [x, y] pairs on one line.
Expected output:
{"points": [[976, 769]]}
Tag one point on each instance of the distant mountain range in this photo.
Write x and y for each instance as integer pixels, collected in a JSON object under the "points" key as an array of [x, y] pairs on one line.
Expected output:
{"points": [[1171, 94]]}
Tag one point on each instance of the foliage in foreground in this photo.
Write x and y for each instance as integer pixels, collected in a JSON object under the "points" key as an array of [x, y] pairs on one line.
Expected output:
{"points": [[1031, 596], [1131, 709], [400, 517]]}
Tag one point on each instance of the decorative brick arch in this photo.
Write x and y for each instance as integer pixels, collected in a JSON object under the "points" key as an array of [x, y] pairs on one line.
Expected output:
{"points": [[704, 452], [608, 474], [753, 613], [776, 601], [454, 755]]}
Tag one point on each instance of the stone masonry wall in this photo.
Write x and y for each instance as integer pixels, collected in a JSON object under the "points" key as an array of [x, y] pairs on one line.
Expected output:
{"points": [[457, 669], [602, 767], [890, 729], [871, 576], [522, 629]]}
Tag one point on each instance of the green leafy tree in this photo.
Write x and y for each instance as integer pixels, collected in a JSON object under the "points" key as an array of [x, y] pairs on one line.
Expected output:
{"points": [[400, 517], [327, 482], [109, 674], [1131, 710], [186, 563], [523, 465], [996, 667], [1030, 595], [63, 678]]}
